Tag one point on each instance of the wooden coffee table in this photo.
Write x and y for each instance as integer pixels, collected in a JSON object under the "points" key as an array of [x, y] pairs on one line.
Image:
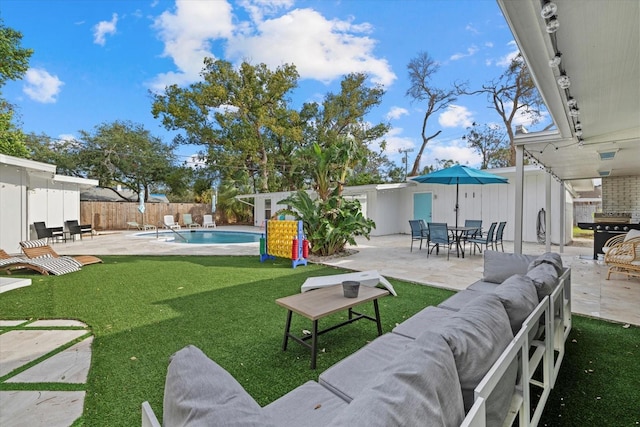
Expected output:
{"points": [[319, 303]]}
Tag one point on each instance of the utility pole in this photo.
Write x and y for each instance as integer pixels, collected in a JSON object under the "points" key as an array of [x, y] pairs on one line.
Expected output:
{"points": [[405, 160]]}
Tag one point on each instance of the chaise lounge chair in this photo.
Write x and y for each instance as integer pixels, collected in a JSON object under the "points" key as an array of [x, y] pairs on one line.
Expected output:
{"points": [[170, 223], [45, 265], [188, 221], [134, 224], [38, 249], [208, 221]]}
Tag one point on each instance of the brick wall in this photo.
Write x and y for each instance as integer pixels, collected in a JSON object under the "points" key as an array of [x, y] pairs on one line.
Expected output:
{"points": [[622, 194]]}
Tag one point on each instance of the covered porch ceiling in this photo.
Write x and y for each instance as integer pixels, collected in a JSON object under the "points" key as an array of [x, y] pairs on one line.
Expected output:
{"points": [[600, 45]]}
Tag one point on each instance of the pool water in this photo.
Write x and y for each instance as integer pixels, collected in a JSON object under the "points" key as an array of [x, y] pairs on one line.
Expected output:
{"points": [[211, 237]]}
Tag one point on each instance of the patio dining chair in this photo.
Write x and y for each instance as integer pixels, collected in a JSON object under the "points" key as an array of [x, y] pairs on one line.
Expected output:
{"points": [[472, 234], [486, 240], [439, 236], [499, 235], [419, 231]]}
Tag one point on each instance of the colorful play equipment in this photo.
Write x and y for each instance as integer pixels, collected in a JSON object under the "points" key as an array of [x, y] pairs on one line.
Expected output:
{"points": [[284, 239]]}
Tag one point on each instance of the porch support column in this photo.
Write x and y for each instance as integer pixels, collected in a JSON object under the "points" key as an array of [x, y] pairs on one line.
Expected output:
{"points": [[517, 221], [547, 208], [563, 214]]}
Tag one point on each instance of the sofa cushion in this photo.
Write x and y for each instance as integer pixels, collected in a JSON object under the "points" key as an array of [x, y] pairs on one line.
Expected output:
{"points": [[420, 388], [458, 300], [483, 286], [421, 321], [551, 258], [355, 373], [499, 266], [477, 335], [310, 405], [198, 392], [545, 279], [519, 297]]}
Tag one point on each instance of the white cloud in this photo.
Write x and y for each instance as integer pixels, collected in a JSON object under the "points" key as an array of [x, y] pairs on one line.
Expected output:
{"points": [[41, 86], [187, 33], [396, 112], [472, 29], [104, 28], [456, 116], [505, 61], [395, 142], [320, 49], [456, 150], [470, 52]]}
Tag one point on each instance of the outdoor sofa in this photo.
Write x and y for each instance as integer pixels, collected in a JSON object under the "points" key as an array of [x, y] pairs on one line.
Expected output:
{"points": [[487, 356]]}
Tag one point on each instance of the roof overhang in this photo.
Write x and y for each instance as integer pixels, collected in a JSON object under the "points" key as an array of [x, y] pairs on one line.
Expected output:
{"points": [[600, 46]]}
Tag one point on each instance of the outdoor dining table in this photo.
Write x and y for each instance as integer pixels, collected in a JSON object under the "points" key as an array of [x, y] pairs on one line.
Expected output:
{"points": [[458, 232]]}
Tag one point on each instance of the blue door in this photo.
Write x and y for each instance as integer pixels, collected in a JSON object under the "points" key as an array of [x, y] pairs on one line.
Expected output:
{"points": [[422, 206]]}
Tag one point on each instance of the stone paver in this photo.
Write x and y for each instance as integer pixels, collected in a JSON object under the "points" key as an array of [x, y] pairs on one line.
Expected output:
{"points": [[20, 347], [68, 366], [5, 323], [40, 408], [56, 322]]}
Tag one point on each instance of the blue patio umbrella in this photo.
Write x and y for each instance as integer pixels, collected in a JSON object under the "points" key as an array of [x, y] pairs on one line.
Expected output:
{"points": [[460, 174]]}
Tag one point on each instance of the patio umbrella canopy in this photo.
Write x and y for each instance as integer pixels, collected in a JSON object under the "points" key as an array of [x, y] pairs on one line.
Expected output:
{"points": [[460, 174]]}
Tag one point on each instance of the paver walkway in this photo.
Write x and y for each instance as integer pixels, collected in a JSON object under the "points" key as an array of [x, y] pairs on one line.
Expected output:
{"points": [[36, 356]]}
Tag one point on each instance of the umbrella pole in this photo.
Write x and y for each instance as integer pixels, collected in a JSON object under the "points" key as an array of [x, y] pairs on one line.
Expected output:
{"points": [[457, 206]]}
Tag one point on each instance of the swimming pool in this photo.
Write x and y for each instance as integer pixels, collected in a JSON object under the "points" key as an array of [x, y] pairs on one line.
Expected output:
{"points": [[203, 237]]}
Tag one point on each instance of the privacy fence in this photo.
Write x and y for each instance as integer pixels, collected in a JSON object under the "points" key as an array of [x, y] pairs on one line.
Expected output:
{"points": [[116, 215]]}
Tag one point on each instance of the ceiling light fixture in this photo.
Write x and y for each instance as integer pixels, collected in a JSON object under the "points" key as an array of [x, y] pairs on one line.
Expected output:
{"points": [[578, 133], [552, 25], [564, 82], [548, 10], [578, 126], [572, 103], [556, 60], [574, 112]]}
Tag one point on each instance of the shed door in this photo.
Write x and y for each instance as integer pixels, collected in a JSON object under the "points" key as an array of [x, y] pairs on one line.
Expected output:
{"points": [[422, 206]]}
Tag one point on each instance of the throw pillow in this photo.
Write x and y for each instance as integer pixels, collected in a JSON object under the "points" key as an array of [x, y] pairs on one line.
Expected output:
{"points": [[499, 266], [198, 392], [421, 387], [519, 297], [545, 279], [548, 258]]}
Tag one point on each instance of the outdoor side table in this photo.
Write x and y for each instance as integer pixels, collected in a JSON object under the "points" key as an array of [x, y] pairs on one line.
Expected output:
{"points": [[319, 303]]}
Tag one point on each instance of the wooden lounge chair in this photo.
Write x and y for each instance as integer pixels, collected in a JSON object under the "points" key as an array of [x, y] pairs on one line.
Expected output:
{"points": [[624, 258], [35, 249], [44, 266]]}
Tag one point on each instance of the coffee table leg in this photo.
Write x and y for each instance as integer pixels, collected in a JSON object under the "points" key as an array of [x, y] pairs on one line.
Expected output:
{"points": [[314, 344], [377, 311], [286, 331]]}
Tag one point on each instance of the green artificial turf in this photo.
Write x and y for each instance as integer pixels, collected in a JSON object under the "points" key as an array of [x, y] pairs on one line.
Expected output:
{"points": [[142, 309]]}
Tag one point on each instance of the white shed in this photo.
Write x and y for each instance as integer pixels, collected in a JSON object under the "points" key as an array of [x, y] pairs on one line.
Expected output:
{"points": [[391, 206], [31, 191]]}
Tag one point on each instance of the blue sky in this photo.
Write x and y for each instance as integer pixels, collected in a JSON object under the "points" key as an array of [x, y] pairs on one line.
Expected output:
{"points": [[96, 61]]}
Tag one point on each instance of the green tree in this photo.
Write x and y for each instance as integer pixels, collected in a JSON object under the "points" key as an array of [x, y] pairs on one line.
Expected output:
{"points": [[490, 142], [235, 113], [341, 136], [125, 153], [14, 63], [421, 71]]}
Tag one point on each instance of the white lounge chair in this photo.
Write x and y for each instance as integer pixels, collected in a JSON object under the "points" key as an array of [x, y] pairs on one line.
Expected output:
{"points": [[208, 221], [170, 223]]}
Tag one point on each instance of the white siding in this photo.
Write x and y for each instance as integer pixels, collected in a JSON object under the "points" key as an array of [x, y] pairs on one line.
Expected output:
{"points": [[13, 202]]}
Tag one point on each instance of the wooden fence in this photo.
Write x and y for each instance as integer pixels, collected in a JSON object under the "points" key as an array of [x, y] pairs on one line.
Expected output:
{"points": [[115, 215]]}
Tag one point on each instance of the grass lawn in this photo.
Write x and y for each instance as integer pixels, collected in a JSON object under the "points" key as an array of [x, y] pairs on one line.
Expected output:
{"points": [[142, 309]]}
